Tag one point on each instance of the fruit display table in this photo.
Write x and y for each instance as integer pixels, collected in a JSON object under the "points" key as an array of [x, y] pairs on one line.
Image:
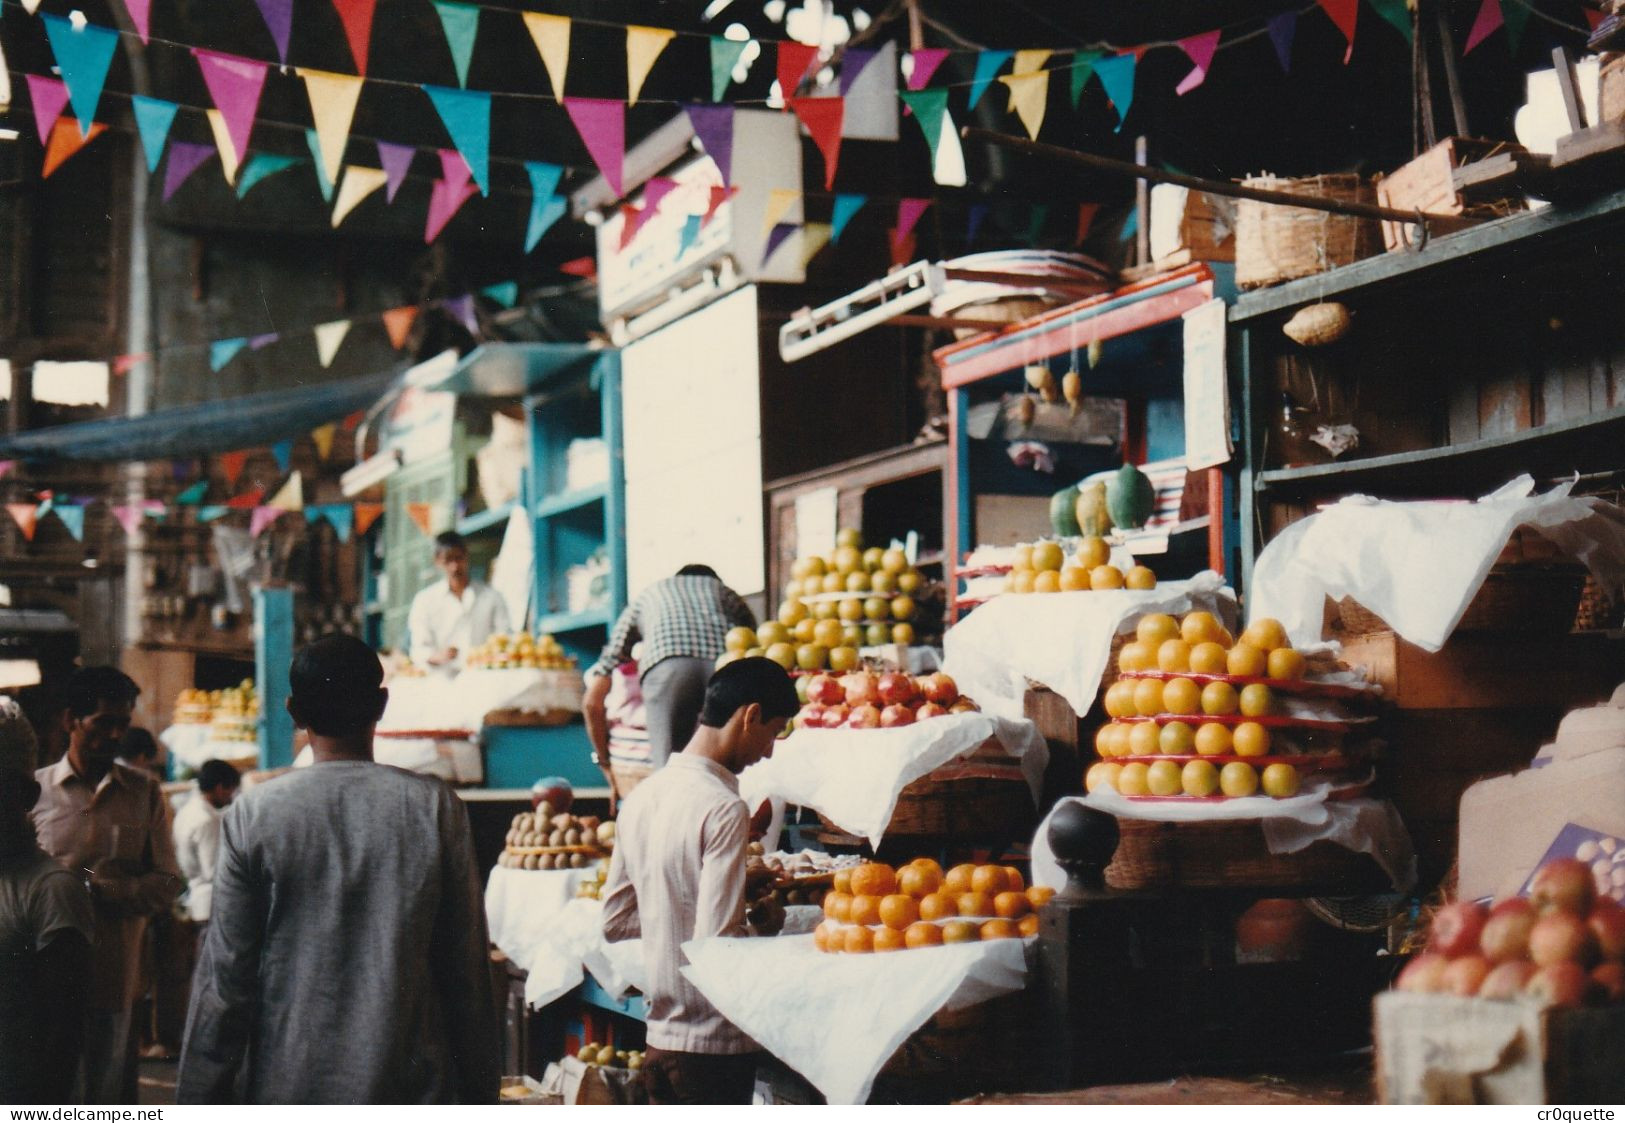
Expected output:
{"points": [[538, 921]]}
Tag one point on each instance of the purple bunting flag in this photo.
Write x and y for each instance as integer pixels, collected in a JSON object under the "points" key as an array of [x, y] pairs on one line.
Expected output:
{"points": [[396, 160], [714, 125]]}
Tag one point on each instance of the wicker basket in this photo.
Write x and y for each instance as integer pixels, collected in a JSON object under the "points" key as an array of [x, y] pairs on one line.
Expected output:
{"points": [[1540, 599], [1276, 244], [1597, 611], [973, 1048], [1611, 87], [980, 796], [1229, 855]]}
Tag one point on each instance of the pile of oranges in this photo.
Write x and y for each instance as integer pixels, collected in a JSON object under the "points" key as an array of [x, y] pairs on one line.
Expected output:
{"points": [[873, 907]]}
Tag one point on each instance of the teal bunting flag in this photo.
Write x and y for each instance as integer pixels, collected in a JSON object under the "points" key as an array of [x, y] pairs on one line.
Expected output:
{"points": [[1117, 76], [222, 351], [259, 166], [690, 232], [315, 144], [460, 22], [928, 107], [987, 65], [845, 207], [212, 511], [1083, 65], [283, 452], [546, 207], [724, 57], [505, 293], [193, 495], [153, 117], [467, 117], [73, 518], [83, 55]]}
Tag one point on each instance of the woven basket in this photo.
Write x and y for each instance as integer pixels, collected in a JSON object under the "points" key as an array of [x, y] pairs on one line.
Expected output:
{"points": [[1276, 244], [1597, 609], [1228, 855], [1611, 83], [983, 796], [998, 313], [974, 1047], [1538, 599]]}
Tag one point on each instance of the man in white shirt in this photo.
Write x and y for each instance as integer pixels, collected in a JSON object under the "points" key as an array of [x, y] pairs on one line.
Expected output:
{"points": [[452, 617], [197, 834]]}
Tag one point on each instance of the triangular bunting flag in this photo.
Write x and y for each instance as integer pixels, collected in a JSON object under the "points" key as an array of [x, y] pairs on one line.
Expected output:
{"points": [[278, 15], [140, 15], [234, 84], [926, 61], [332, 108], [1029, 94], [5, 468], [506, 293], [544, 178], [193, 495], [544, 212], [356, 15], [1131, 225], [643, 46], [718, 196], [83, 55], [1282, 29], [655, 192], [779, 202], [814, 237], [352, 420], [714, 125], [262, 518], [26, 516], [724, 57], [688, 234], [209, 513], [255, 342], [232, 464], [328, 338], [978, 215], [66, 140], [282, 453], [854, 60], [398, 323], [928, 107], [260, 165], [423, 515], [822, 117], [454, 169], [366, 514], [793, 61], [1082, 68], [461, 309], [222, 351], [73, 518], [247, 501], [461, 23], [845, 207], [1398, 13], [775, 238], [602, 125], [46, 502], [396, 160], [223, 143], [342, 518], [357, 184], [445, 200], [124, 364], [467, 117], [49, 97], [314, 142], [908, 215], [322, 437], [1485, 22], [1029, 61], [987, 65], [1117, 77], [1086, 219], [551, 34], [129, 517], [1343, 13], [631, 222], [1516, 15], [291, 496], [1200, 48]]}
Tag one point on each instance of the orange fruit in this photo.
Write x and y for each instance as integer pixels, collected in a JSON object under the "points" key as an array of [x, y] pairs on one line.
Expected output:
{"points": [[1250, 739], [1156, 627], [922, 934], [1105, 577], [1028, 925], [1141, 577], [857, 939], [1039, 895], [1181, 696], [917, 881], [1012, 905], [873, 879], [1220, 698], [1265, 633], [865, 910], [1101, 775], [843, 880], [1137, 656], [1021, 581], [929, 864], [1212, 739], [938, 906], [1148, 699], [821, 936], [1047, 556], [1284, 662], [1256, 700], [1208, 658], [1093, 551], [889, 939], [1280, 780], [1144, 739], [957, 880], [1245, 659], [1013, 881], [975, 904], [960, 932], [1176, 739], [1047, 581], [1200, 627], [1174, 655], [1000, 930], [838, 905], [898, 910], [1074, 579], [1132, 780], [1238, 778], [987, 879]]}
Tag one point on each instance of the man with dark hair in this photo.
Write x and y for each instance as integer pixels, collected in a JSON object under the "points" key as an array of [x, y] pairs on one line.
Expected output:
{"points": [[45, 931], [197, 834], [109, 822], [678, 874], [345, 959], [683, 623], [139, 749], [455, 615]]}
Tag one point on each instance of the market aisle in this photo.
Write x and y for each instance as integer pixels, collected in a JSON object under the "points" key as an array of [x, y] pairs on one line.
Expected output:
{"points": [[157, 1083]]}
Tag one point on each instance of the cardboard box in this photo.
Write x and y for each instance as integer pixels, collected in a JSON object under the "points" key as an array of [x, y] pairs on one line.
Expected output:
{"points": [[1191, 225], [1439, 1049], [1508, 823]]}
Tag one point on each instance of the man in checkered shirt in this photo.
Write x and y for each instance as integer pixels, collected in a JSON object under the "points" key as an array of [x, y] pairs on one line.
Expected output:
{"points": [[682, 623]]}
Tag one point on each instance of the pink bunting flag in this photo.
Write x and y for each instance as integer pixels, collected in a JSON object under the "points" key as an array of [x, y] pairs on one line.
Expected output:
{"points": [[128, 516], [908, 214], [602, 125], [926, 61], [234, 84], [262, 518], [1200, 48], [5, 468], [140, 15], [655, 192], [1343, 13], [49, 96], [445, 200], [1489, 18], [123, 364], [454, 169]]}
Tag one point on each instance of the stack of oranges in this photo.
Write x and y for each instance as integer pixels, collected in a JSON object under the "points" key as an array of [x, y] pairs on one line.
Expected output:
{"points": [[873, 907]]}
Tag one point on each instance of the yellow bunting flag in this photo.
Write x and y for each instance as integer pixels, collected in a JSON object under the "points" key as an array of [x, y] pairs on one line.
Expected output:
{"points": [[643, 46], [1029, 60], [551, 35], [322, 438], [332, 107], [398, 322], [779, 202], [814, 237], [423, 515], [291, 497], [1028, 93], [358, 184], [222, 141]]}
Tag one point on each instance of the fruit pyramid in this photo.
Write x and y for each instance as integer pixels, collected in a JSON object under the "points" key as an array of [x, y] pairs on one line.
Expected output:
{"points": [[1045, 567], [866, 700], [874, 907], [512, 651]]}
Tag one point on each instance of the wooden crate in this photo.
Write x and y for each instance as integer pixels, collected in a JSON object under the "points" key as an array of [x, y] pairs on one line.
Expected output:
{"points": [[1426, 184], [1480, 672]]}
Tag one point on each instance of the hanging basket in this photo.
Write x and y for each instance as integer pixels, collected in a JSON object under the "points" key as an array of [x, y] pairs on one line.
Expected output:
{"points": [[1275, 243]]}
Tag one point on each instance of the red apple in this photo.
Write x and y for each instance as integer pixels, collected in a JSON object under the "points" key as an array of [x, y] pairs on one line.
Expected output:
{"points": [[1506, 980], [835, 717], [1609, 978], [864, 717], [1456, 928], [1424, 974], [1564, 885], [893, 716], [1561, 937], [811, 716], [1466, 975], [1608, 926], [929, 710], [1559, 984], [1506, 932], [939, 688], [826, 690], [897, 689], [862, 689], [964, 706]]}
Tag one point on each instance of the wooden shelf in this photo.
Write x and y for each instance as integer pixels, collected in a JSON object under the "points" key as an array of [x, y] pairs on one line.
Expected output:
{"points": [[573, 621], [567, 501], [485, 520]]}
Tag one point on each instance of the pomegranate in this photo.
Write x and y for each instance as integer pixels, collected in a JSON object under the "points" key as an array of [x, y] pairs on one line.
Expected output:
{"points": [[1609, 979], [1506, 932], [834, 717], [1457, 928], [1560, 937], [1466, 975], [897, 689], [1564, 885], [1506, 980], [811, 716], [1607, 925], [964, 706], [1559, 984], [895, 715], [826, 690], [1424, 974], [939, 688], [929, 710]]}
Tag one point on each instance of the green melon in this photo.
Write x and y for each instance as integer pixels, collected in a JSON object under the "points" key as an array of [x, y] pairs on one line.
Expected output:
{"points": [[1063, 517], [1130, 498]]}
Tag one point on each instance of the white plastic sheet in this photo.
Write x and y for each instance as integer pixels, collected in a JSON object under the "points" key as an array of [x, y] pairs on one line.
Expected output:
{"points": [[837, 1019], [1062, 640], [437, 703], [1393, 558], [556, 937], [854, 776]]}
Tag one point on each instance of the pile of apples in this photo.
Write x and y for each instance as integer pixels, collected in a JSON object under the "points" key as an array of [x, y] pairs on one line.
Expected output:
{"points": [[1042, 567], [874, 907], [1561, 946], [866, 700]]}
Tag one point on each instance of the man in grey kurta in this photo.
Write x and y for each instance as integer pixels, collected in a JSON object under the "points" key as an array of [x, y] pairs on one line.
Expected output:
{"points": [[346, 959]]}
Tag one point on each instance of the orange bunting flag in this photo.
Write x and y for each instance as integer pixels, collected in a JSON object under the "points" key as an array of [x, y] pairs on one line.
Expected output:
{"points": [[27, 516], [65, 142], [232, 464], [247, 501], [423, 515], [398, 322], [366, 514]]}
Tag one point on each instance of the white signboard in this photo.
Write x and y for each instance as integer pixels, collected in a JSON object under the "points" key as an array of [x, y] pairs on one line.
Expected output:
{"points": [[1207, 399], [691, 414], [817, 514]]}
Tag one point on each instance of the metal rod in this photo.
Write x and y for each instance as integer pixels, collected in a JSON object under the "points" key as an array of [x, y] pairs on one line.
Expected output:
{"points": [[909, 320], [1447, 49], [1142, 205], [1196, 183]]}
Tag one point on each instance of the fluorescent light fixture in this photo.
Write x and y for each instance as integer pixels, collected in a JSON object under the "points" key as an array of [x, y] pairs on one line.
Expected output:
{"points": [[72, 384], [18, 673]]}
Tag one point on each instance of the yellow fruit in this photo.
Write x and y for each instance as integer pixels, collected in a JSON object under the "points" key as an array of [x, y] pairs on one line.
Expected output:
{"points": [[1152, 630], [1103, 774], [849, 537], [1219, 698], [848, 560], [1199, 777], [882, 584], [1144, 739], [1286, 663], [1047, 581], [793, 589], [1119, 700], [1047, 556], [902, 608], [1094, 552], [1245, 659], [1208, 658], [792, 612], [782, 654], [1250, 739], [960, 932], [807, 630], [1105, 577], [1177, 739], [1174, 655], [1132, 780], [1163, 778], [1104, 740], [1181, 696], [1201, 627], [894, 562], [902, 634], [832, 582], [1074, 579], [811, 656], [1265, 633], [1148, 696], [1021, 581], [740, 639], [826, 632], [1256, 700], [1024, 558], [857, 582], [1140, 577], [1213, 739], [851, 610], [770, 633], [1136, 656], [876, 608], [1280, 781], [1238, 778], [808, 567]]}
